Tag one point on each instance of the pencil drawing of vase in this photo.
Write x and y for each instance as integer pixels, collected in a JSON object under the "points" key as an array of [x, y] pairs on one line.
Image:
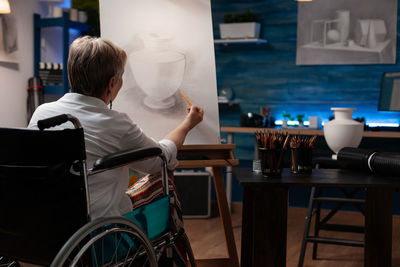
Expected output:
{"points": [[343, 17], [158, 70]]}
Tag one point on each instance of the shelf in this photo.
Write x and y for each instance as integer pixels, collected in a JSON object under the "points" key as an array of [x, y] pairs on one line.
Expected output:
{"points": [[65, 24], [240, 41]]}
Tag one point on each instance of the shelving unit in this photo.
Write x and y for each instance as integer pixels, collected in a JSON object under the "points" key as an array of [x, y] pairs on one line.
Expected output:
{"points": [[240, 41], [65, 23]]}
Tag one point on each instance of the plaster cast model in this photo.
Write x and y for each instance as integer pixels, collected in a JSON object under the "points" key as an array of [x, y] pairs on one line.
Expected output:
{"points": [[346, 32], [343, 131]]}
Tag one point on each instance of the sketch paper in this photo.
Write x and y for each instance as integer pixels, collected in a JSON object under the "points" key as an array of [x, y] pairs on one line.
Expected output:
{"points": [[346, 32], [170, 47]]}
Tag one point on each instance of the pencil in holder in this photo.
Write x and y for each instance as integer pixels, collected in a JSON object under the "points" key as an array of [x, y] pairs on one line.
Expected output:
{"points": [[301, 153], [271, 161], [301, 160]]}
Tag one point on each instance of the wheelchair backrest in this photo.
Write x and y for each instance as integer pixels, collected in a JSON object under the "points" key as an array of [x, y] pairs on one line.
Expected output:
{"points": [[41, 202]]}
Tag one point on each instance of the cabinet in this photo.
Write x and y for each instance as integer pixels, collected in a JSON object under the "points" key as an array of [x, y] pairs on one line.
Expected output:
{"points": [[65, 24]]}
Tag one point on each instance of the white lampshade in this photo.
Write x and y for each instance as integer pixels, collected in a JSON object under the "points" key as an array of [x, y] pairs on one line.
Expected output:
{"points": [[4, 7]]}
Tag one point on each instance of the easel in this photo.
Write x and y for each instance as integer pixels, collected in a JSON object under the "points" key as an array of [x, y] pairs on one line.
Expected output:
{"points": [[216, 157]]}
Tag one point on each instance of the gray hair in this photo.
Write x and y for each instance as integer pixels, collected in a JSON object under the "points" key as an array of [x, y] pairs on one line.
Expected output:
{"points": [[92, 62]]}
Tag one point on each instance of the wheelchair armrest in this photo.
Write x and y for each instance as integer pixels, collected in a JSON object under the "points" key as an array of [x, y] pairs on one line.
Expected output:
{"points": [[57, 120], [124, 157]]}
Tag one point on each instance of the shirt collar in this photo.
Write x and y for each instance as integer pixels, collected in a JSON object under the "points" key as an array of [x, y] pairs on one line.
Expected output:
{"points": [[79, 98]]}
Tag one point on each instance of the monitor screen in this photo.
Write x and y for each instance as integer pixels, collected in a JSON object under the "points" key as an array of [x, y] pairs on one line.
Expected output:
{"points": [[389, 99]]}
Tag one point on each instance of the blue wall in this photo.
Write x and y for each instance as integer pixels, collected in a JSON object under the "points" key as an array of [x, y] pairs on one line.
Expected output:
{"points": [[266, 75]]}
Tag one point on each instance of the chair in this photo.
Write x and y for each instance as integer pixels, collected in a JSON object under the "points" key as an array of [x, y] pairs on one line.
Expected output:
{"points": [[322, 223], [45, 215]]}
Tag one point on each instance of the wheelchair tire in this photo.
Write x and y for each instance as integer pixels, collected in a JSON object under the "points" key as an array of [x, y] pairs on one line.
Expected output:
{"points": [[5, 262], [102, 243]]}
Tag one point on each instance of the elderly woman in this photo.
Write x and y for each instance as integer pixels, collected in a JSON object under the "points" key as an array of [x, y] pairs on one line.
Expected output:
{"points": [[95, 69]]}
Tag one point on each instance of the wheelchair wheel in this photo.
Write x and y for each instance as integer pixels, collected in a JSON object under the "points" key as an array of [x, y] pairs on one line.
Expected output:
{"points": [[4, 262], [112, 241]]}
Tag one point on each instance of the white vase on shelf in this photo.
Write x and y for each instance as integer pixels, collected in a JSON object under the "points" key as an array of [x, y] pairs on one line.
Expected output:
{"points": [[343, 131]]}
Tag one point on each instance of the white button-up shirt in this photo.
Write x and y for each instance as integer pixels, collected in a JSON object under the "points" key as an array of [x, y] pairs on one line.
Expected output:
{"points": [[107, 131]]}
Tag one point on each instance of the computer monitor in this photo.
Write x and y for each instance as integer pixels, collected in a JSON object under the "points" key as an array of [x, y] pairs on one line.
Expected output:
{"points": [[389, 99]]}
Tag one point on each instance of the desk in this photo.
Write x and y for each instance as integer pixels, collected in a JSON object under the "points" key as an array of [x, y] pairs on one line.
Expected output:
{"points": [[265, 204], [303, 131], [231, 130]]}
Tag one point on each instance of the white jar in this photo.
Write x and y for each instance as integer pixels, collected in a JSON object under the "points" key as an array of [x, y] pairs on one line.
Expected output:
{"points": [[343, 131]]}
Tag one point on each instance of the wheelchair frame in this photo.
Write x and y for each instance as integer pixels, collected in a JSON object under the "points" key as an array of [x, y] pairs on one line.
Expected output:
{"points": [[81, 248]]}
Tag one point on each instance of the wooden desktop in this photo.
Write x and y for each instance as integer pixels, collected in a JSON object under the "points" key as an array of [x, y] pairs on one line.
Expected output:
{"points": [[304, 131]]}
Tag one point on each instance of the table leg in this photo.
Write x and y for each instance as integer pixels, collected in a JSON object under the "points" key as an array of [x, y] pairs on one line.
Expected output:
{"points": [[228, 176], [264, 227], [378, 228]]}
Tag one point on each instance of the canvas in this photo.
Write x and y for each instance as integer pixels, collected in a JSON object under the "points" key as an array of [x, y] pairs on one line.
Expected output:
{"points": [[170, 47], [346, 32]]}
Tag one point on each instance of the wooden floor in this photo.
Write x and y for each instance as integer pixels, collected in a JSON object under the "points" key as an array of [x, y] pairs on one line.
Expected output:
{"points": [[207, 239]]}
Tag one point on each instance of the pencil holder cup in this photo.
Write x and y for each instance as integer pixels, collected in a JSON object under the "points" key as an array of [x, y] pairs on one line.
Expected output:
{"points": [[301, 160], [271, 162]]}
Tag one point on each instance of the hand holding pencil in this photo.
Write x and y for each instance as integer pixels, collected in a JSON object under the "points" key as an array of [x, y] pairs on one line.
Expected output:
{"points": [[194, 117], [195, 113]]}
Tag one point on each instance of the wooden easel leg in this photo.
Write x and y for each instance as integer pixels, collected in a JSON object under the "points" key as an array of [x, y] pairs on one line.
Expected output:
{"points": [[225, 216]]}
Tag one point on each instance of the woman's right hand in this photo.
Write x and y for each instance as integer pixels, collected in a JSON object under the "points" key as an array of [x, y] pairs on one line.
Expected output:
{"points": [[194, 116]]}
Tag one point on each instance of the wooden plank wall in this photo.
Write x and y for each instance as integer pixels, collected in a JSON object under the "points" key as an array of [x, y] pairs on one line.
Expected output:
{"points": [[267, 74]]}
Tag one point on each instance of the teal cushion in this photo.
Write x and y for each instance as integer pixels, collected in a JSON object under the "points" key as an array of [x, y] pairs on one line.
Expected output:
{"points": [[153, 218]]}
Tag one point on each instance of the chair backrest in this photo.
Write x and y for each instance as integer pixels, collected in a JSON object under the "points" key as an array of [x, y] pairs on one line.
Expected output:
{"points": [[41, 202]]}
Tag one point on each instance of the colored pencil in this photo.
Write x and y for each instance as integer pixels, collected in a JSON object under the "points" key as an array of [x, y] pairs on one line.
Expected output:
{"points": [[190, 104]]}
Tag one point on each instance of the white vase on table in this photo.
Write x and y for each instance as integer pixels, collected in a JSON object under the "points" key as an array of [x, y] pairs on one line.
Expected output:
{"points": [[343, 131]]}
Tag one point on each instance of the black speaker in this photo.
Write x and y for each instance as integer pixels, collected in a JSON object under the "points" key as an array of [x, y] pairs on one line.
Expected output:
{"points": [[194, 192]]}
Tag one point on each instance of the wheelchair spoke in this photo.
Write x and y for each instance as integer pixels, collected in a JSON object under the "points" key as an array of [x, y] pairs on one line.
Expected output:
{"points": [[145, 263], [80, 260], [136, 253], [4, 262], [127, 254], [93, 250], [115, 255], [102, 251]]}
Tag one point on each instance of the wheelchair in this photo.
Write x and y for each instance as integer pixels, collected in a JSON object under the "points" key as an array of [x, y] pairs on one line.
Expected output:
{"points": [[45, 212]]}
